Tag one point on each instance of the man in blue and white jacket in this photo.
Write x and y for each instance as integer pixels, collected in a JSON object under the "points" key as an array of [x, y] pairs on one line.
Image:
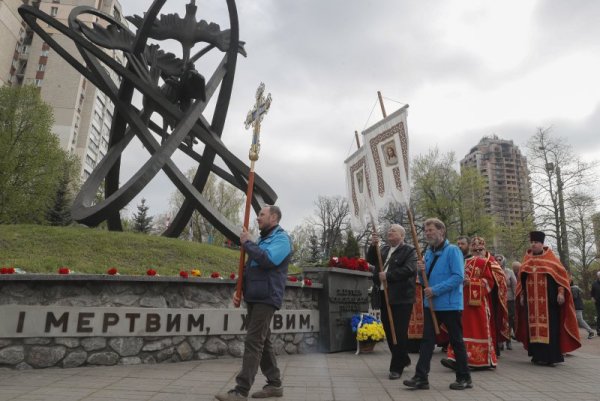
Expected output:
{"points": [[265, 276], [444, 267]]}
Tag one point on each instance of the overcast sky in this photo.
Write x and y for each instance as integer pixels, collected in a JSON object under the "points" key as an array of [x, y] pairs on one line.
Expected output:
{"points": [[466, 68]]}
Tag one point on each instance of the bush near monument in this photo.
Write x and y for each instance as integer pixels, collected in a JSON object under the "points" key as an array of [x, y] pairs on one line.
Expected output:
{"points": [[44, 249]]}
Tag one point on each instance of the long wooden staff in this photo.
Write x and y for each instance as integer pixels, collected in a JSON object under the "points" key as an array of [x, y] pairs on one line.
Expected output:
{"points": [[413, 231], [385, 286], [254, 118]]}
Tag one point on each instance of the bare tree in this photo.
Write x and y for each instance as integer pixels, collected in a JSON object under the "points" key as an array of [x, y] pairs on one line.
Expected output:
{"points": [[332, 220], [581, 208], [555, 174]]}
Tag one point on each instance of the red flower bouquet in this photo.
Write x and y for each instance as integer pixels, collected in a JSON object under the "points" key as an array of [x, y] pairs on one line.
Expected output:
{"points": [[215, 275], [345, 262], [151, 272], [293, 279], [233, 276], [307, 282], [112, 271], [7, 270], [183, 274], [64, 270]]}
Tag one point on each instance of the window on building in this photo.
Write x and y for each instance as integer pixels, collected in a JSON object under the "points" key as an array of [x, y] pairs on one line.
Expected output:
{"points": [[45, 53], [53, 11], [41, 67], [38, 82]]}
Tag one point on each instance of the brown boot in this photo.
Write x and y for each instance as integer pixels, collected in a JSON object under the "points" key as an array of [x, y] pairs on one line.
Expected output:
{"points": [[269, 391]]}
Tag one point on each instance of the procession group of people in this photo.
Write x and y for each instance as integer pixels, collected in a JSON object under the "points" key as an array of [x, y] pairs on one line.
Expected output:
{"points": [[479, 304]]}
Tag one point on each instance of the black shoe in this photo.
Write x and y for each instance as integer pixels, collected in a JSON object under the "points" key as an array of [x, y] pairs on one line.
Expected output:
{"points": [[449, 363], [461, 384], [417, 383], [394, 375]]}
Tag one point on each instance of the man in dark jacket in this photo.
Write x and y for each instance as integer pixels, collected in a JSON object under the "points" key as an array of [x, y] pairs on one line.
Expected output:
{"points": [[265, 276], [399, 272], [596, 297]]}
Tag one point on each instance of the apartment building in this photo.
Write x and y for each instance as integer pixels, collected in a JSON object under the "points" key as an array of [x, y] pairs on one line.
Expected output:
{"points": [[507, 194], [82, 113]]}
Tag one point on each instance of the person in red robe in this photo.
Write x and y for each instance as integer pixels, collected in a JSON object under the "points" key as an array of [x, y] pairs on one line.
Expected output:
{"points": [[485, 314], [545, 313]]}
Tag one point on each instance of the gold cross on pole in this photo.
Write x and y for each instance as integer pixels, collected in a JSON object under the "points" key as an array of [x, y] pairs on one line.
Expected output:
{"points": [[254, 118]]}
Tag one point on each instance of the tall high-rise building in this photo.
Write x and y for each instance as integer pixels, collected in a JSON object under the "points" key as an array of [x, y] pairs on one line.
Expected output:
{"points": [[82, 113], [507, 195], [12, 32]]}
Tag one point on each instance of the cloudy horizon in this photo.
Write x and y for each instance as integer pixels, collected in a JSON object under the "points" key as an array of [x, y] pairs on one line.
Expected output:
{"points": [[467, 69]]}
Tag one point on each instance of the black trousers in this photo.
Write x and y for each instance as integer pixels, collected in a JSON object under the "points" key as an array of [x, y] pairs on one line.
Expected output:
{"points": [[453, 322], [597, 317], [258, 349], [401, 316]]}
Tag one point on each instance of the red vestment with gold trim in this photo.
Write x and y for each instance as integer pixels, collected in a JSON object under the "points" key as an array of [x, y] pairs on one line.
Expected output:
{"points": [[533, 318], [482, 314]]}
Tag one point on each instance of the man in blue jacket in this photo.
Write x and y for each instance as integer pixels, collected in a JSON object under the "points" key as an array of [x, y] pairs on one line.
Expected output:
{"points": [[265, 275], [444, 267]]}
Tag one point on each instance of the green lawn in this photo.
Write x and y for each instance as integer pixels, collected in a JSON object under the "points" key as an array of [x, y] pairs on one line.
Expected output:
{"points": [[43, 249]]}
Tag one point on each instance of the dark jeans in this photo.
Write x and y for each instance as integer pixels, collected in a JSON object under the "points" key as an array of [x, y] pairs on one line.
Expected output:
{"points": [[258, 349], [598, 317], [453, 322], [511, 316], [401, 314]]}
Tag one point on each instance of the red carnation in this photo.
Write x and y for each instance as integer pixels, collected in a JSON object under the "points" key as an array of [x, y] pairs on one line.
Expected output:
{"points": [[4, 270], [151, 272], [232, 276], [183, 274], [215, 275], [333, 262], [293, 279], [112, 271], [363, 265], [64, 270], [307, 282], [344, 262], [11, 270]]}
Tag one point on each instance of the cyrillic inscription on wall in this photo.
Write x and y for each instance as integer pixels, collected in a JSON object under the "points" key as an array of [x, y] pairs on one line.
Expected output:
{"points": [[59, 321]]}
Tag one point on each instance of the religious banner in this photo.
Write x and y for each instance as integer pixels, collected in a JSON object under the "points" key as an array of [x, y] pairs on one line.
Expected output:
{"points": [[358, 188], [386, 146]]}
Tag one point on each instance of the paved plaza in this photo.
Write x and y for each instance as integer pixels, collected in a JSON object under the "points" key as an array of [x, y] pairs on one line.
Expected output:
{"points": [[338, 376]]}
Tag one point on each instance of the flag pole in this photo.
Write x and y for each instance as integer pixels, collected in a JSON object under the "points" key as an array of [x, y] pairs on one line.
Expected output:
{"points": [[413, 232], [253, 119], [385, 286]]}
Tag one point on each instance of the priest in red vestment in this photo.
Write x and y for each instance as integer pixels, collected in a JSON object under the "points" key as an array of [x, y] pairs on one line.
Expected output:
{"points": [[485, 314], [545, 314]]}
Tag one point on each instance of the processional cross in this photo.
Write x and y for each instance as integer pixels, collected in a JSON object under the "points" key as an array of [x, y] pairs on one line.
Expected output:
{"points": [[253, 119]]}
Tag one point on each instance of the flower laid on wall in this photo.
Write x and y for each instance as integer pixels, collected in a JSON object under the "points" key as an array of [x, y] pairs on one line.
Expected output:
{"points": [[367, 327], [233, 276], [183, 274], [7, 270], [64, 270], [307, 282], [293, 279], [112, 271], [151, 272], [196, 272], [215, 275], [345, 262]]}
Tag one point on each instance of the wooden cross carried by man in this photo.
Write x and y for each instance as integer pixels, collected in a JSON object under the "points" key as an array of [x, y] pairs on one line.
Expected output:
{"points": [[253, 119]]}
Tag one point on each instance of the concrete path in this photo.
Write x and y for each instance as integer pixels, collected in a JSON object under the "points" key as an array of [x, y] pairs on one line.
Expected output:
{"points": [[341, 376]]}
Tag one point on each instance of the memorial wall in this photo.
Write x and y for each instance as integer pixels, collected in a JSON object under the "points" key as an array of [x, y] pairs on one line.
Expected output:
{"points": [[75, 320]]}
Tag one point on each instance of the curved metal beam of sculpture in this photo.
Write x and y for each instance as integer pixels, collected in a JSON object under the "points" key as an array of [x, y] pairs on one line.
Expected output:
{"points": [[183, 112]]}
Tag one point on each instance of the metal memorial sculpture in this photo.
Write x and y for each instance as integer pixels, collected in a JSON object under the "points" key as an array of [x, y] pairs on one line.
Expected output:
{"points": [[173, 90]]}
